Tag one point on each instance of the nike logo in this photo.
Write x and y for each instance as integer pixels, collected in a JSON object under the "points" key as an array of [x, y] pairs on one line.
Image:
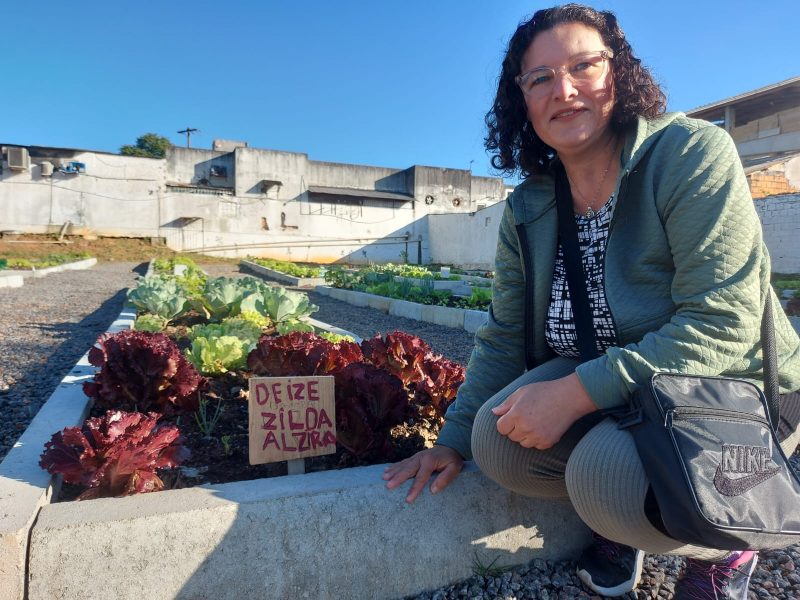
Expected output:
{"points": [[728, 486]]}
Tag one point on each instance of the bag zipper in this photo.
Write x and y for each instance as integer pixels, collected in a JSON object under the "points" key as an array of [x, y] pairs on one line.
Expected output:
{"points": [[689, 412]]}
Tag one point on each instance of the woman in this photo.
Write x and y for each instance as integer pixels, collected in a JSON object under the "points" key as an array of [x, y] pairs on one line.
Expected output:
{"points": [[675, 271]]}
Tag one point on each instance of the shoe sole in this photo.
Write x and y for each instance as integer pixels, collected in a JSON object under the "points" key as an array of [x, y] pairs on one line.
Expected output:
{"points": [[622, 588]]}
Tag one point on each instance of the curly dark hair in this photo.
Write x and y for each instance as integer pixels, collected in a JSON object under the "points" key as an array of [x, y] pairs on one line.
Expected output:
{"points": [[511, 140]]}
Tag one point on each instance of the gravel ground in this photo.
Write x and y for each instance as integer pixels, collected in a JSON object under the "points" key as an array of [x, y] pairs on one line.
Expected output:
{"points": [[49, 323]]}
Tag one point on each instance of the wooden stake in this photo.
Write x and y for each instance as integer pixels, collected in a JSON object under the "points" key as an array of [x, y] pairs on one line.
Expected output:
{"points": [[296, 466]]}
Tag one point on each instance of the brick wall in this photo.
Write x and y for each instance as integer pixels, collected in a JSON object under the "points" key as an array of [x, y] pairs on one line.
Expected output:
{"points": [[780, 221], [766, 183]]}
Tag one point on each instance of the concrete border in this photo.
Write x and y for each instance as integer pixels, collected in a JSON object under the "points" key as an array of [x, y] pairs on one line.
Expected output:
{"points": [[332, 534], [24, 486], [9, 279], [282, 277], [305, 536], [457, 318], [16, 277]]}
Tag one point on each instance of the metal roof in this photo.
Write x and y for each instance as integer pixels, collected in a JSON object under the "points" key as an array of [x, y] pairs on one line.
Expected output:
{"points": [[755, 104], [342, 191], [759, 164]]}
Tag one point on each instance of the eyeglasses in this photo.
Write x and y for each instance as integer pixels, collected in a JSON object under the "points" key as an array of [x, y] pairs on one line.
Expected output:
{"points": [[582, 68]]}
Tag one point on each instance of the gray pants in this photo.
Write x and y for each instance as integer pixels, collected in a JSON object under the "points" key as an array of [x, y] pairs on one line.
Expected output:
{"points": [[594, 465]]}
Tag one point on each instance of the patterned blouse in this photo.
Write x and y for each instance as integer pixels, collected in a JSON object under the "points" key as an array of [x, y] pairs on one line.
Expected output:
{"points": [[560, 326]]}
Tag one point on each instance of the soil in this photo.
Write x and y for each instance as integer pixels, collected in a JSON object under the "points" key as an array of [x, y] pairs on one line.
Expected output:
{"points": [[221, 455], [105, 249]]}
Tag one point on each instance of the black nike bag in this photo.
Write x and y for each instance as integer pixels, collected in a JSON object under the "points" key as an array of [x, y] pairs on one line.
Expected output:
{"points": [[716, 468]]}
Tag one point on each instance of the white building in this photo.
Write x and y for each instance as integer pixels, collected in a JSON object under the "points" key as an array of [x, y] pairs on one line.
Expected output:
{"points": [[236, 200]]}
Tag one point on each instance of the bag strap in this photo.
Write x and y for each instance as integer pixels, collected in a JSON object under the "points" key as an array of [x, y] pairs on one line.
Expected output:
{"points": [[584, 324], [770, 358], [573, 265]]}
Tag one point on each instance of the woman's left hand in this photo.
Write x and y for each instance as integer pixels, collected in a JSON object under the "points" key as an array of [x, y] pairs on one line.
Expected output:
{"points": [[538, 414]]}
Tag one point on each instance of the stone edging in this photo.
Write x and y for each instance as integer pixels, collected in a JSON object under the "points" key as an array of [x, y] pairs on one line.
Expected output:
{"points": [[282, 277], [313, 535], [24, 486], [458, 318], [16, 278]]}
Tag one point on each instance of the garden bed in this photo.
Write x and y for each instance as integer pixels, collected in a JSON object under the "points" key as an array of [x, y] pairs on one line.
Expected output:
{"points": [[310, 535], [16, 277], [281, 277], [458, 318]]}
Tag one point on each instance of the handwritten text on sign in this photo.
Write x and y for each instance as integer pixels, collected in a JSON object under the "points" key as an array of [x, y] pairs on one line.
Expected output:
{"points": [[290, 418]]}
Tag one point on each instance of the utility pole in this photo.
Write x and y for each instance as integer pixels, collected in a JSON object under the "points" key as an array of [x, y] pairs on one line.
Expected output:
{"points": [[188, 131]]}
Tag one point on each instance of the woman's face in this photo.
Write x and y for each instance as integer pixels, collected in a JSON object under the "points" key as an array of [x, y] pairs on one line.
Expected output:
{"points": [[571, 118]]}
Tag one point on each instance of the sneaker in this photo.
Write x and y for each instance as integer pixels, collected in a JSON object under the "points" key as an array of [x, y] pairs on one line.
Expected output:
{"points": [[726, 580], [609, 568]]}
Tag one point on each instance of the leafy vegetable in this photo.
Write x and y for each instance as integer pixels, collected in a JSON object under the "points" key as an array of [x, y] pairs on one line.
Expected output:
{"points": [[114, 455], [286, 308], [142, 371], [222, 297], [246, 331], [158, 295], [437, 390], [341, 278], [300, 353], [479, 299], [335, 338], [401, 354], [149, 322], [251, 316], [290, 268], [369, 402], [214, 355]]}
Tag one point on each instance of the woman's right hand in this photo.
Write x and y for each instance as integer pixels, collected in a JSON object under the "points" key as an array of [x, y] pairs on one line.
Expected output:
{"points": [[439, 459]]}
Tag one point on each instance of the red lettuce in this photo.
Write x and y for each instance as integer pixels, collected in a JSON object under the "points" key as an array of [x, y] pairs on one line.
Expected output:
{"points": [[114, 455], [402, 354], [369, 402], [142, 371], [437, 390], [298, 353]]}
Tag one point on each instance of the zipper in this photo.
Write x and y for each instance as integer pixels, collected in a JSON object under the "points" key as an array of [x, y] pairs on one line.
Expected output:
{"points": [[623, 184], [522, 236], [686, 413]]}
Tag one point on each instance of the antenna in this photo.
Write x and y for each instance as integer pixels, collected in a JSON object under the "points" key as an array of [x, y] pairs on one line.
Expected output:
{"points": [[188, 131]]}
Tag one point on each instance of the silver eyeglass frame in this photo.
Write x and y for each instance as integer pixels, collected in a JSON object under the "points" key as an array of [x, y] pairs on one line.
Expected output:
{"points": [[606, 55]]}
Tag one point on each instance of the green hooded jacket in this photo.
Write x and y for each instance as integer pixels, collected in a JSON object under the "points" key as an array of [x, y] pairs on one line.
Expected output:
{"points": [[686, 275]]}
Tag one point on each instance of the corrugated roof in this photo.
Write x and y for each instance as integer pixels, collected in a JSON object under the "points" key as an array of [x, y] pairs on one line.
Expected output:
{"points": [[342, 191], [776, 89], [767, 162]]}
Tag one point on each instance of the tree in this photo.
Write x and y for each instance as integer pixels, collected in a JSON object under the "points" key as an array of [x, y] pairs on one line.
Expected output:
{"points": [[150, 145]]}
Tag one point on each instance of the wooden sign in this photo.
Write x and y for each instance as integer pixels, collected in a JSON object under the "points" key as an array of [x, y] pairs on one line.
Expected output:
{"points": [[291, 418]]}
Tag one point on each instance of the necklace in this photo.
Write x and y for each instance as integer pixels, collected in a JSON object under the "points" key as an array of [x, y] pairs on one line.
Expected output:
{"points": [[591, 213]]}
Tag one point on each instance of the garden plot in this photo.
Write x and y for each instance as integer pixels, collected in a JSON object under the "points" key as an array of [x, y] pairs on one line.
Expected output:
{"points": [[458, 318], [15, 277], [273, 272], [198, 542]]}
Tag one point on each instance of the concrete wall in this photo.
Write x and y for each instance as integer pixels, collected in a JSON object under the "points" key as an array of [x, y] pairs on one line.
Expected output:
{"points": [[467, 240], [779, 132], [91, 201], [194, 166], [780, 219], [179, 199], [785, 121]]}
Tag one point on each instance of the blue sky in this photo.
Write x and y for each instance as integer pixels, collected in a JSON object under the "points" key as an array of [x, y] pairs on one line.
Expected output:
{"points": [[383, 83]]}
